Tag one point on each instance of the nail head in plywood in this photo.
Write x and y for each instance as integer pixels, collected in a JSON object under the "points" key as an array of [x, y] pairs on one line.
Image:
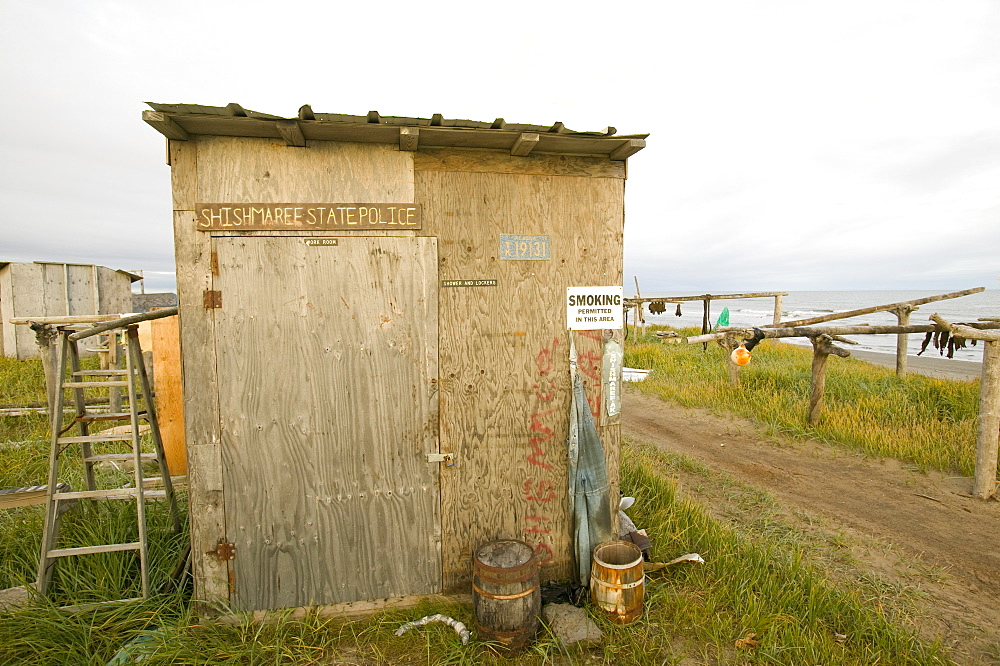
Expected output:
{"points": [[162, 123], [525, 143], [628, 148], [409, 138], [291, 132]]}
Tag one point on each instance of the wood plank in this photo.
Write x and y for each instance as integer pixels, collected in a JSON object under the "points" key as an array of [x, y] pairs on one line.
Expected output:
{"points": [[88, 550], [164, 125], [169, 392], [262, 170], [291, 133], [524, 144], [201, 427], [409, 138], [505, 389], [627, 148], [487, 161], [329, 496]]}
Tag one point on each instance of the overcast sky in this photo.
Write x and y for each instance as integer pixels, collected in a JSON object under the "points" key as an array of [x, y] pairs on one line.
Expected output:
{"points": [[794, 145]]}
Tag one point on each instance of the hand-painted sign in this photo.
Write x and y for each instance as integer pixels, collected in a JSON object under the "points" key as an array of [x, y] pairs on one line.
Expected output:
{"points": [[306, 216], [522, 247], [468, 283], [589, 308], [611, 378]]}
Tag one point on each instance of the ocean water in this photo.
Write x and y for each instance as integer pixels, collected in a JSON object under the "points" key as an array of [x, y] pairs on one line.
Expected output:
{"points": [[805, 304]]}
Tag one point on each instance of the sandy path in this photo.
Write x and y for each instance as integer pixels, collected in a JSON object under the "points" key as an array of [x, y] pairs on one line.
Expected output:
{"points": [[929, 519]]}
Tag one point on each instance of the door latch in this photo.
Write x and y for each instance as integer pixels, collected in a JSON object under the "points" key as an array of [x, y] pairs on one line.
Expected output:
{"points": [[447, 458]]}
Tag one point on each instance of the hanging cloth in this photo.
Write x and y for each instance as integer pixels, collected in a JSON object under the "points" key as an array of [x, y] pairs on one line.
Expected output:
{"points": [[589, 490]]}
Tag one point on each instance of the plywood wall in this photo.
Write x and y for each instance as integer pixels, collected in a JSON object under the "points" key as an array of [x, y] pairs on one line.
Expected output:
{"points": [[47, 290], [505, 384], [223, 169]]}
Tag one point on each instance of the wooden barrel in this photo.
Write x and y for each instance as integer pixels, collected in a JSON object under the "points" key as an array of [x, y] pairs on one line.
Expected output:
{"points": [[617, 580], [506, 598]]}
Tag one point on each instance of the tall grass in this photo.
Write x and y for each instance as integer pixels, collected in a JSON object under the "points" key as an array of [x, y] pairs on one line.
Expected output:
{"points": [[928, 422], [759, 579]]}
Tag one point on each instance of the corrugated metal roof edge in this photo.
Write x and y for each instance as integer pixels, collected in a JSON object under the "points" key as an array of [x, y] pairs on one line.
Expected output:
{"points": [[234, 110]]}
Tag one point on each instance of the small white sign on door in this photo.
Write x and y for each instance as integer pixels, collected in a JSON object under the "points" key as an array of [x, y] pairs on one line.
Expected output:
{"points": [[590, 308]]}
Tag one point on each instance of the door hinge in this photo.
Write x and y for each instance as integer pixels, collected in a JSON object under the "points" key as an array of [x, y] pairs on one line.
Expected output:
{"points": [[224, 551], [213, 299]]}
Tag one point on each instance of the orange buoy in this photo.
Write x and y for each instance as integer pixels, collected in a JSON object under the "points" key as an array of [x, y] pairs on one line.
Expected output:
{"points": [[740, 355]]}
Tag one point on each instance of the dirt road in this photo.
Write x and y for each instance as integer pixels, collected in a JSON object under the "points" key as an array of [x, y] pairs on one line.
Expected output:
{"points": [[906, 525]]}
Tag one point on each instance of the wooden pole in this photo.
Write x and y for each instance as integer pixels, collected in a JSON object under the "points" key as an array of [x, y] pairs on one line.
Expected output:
{"points": [[638, 308], [882, 308], [902, 339], [808, 332], [822, 348], [706, 306], [984, 482], [777, 309], [45, 337]]}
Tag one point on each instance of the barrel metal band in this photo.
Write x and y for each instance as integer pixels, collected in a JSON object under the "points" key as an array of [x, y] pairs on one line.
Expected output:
{"points": [[503, 597], [619, 586]]}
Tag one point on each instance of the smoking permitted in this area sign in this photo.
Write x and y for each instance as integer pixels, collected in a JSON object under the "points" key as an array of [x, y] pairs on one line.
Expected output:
{"points": [[589, 308]]}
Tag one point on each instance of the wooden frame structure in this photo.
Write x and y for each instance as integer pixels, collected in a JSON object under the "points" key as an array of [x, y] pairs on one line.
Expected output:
{"points": [[368, 401], [47, 289]]}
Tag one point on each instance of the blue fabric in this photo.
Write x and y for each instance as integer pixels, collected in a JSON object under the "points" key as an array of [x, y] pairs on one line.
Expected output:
{"points": [[589, 490]]}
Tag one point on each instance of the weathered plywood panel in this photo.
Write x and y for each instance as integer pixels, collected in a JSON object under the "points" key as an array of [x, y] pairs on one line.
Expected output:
{"points": [[116, 291], [240, 170], [328, 400], [505, 390], [169, 397], [8, 332], [200, 380], [492, 161], [81, 288], [27, 289]]}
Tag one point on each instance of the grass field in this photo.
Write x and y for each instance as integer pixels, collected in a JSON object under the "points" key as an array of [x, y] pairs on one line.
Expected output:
{"points": [[761, 577]]}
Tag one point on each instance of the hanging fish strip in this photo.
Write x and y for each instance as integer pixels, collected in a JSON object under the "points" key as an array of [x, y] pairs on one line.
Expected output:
{"points": [[463, 633], [657, 307], [943, 341]]}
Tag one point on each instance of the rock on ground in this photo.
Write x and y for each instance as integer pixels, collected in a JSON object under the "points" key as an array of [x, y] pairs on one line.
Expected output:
{"points": [[571, 625]]}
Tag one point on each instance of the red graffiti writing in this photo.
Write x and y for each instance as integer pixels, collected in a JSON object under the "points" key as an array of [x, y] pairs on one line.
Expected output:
{"points": [[543, 491]]}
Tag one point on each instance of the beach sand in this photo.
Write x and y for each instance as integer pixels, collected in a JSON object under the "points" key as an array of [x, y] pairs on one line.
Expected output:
{"points": [[935, 366]]}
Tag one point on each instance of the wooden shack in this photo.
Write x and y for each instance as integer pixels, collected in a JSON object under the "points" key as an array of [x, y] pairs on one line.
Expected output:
{"points": [[50, 289], [375, 346]]}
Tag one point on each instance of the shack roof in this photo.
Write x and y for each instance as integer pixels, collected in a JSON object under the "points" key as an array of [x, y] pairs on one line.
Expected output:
{"points": [[180, 121]]}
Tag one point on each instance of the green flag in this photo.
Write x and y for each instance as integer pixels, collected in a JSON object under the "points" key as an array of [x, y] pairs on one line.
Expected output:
{"points": [[723, 318]]}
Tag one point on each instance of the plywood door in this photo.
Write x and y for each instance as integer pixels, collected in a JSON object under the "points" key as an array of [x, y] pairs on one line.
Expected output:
{"points": [[327, 365]]}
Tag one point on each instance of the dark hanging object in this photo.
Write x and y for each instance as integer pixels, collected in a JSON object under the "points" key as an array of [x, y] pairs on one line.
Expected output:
{"points": [[677, 312], [750, 343], [657, 307], [927, 341]]}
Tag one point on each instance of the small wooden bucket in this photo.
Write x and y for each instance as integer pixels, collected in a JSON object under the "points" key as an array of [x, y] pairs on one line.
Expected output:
{"points": [[617, 580], [505, 593]]}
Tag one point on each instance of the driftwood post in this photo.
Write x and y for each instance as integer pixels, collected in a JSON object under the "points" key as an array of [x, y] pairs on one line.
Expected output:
{"points": [[822, 348], [640, 315], [902, 339], [984, 483], [731, 342], [46, 337], [777, 309]]}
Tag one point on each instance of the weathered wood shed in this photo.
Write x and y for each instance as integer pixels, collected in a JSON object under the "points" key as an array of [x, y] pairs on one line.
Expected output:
{"points": [[49, 289], [360, 295]]}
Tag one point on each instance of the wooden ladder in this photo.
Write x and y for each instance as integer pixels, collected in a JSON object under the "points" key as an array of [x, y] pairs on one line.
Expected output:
{"points": [[140, 406]]}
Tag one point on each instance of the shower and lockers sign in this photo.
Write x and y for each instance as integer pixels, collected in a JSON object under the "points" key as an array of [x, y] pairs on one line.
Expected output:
{"points": [[589, 308]]}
